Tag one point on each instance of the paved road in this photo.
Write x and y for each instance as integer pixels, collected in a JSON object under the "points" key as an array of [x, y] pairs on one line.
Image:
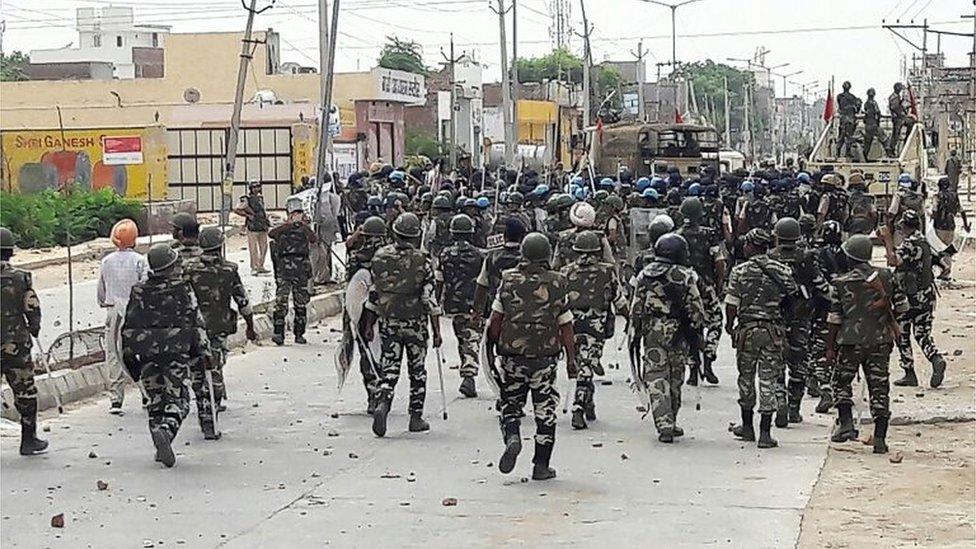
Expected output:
{"points": [[299, 467]]}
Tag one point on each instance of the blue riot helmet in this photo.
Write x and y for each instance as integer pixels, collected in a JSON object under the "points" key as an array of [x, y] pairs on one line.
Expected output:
{"points": [[643, 183]]}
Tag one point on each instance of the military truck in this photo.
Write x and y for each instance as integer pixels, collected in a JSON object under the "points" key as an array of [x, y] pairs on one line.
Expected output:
{"points": [[647, 149]]}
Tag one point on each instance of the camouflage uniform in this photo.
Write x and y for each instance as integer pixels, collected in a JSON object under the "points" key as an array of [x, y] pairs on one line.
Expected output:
{"points": [[564, 254], [21, 312], [832, 262], [164, 332], [593, 288], [215, 282], [705, 248], [864, 334], [496, 262], [361, 258], [292, 271], [458, 267], [534, 301], [756, 287], [402, 297], [667, 305], [914, 277]]}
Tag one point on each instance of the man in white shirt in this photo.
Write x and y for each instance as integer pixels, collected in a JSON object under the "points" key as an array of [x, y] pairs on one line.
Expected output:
{"points": [[121, 270]]}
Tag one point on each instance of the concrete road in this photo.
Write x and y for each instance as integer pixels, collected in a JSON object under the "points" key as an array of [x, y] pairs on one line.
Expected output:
{"points": [[299, 467]]}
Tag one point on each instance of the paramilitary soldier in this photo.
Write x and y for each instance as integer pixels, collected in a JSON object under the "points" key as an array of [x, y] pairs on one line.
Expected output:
{"points": [[292, 240], [912, 261], [215, 282], [163, 334], [754, 318], [860, 335], [707, 256], [594, 294], [530, 321], [402, 301], [813, 293], [21, 313], [668, 314], [458, 268]]}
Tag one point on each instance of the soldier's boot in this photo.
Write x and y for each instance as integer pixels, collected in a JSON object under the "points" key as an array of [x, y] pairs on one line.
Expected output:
{"points": [[370, 403], [880, 433], [745, 430], [279, 335], [162, 440], [693, 376], [766, 439], [579, 422], [666, 435], [589, 409], [783, 415], [209, 433], [938, 371], [513, 447], [300, 339], [541, 470], [598, 369], [844, 430], [795, 398], [379, 417], [908, 380], [708, 373], [29, 443], [418, 424], [813, 388], [677, 431], [467, 388], [825, 403]]}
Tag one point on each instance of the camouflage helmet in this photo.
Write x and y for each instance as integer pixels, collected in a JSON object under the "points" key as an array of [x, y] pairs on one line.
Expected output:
{"points": [[162, 257], [407, 225], [515, 197], [858, 247], [426, 199], [807, 223], [294, 204], [374, 226], [441, 202], [691, 208], [660, 225], [787, 229], [182, 220], [615, 203], [211, 238], [6, 239], [461, 224], [758, 237], [586, 242], [601, 196], [536, 247], [564, 201], [672, 246]]}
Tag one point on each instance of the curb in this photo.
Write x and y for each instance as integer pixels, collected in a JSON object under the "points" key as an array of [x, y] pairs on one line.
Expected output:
{"points": [[93, 379]]}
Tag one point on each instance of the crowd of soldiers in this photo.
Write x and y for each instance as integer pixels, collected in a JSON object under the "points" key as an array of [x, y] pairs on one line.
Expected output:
{"points": [[534, 270], [849, 106]]}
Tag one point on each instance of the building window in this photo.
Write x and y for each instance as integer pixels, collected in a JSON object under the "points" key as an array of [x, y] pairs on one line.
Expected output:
{"points": [[96, 40], [155, 39], [118, 41]]}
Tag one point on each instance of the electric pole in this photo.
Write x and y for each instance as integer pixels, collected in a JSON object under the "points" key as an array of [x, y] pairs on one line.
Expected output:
{"points": [[506, 85], [515, 80], [452, 129], [327, 40], [227, 185], [640, 80], [674, 36], [587, 68], [728, 117]]}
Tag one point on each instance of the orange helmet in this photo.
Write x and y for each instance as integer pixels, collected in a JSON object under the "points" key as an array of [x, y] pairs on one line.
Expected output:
{"points": [[124, 234]]}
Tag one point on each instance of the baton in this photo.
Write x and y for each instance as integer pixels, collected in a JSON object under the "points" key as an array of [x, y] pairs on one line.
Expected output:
{"points": [[440, 376], [208, 374]]}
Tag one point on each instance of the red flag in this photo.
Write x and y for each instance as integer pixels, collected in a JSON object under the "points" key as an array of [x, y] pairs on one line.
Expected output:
{"points": [[678, 119], [829, 109], [914, 104]]}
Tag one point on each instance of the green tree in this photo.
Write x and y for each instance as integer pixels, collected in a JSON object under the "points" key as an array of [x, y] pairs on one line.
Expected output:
{"points": [[418, 144], [709, 77], [13, 67], [559, 64], [403, 55]]}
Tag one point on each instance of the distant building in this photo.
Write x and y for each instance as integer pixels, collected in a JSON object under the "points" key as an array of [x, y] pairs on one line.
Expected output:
{"points": [[105, 36]]}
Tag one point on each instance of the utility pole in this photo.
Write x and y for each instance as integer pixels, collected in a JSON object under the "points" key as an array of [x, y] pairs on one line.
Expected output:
{"points": [[747, 127], [674, 36], [327, 39], [587, 84], [506, 85], [515, 80], [452, 129], [227, 185], [640, 80], [728, 115]]}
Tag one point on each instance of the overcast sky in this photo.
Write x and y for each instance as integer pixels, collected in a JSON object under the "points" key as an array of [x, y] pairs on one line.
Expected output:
{"points": [[842, 38]]}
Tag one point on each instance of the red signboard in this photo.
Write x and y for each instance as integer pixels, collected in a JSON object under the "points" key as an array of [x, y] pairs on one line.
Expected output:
{"points": [[118, 150]]}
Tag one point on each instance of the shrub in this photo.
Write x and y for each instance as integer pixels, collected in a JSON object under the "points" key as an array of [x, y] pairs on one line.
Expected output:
{"points": [[47, 218]]}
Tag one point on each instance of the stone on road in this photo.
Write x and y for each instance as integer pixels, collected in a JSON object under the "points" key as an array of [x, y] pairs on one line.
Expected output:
{"points": [[303, 469]]}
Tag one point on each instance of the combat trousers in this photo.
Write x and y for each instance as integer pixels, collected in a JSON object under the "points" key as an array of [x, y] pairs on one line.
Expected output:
{"points": [[873, 361], [218, 350], [796, 353], [298, 289], [165, 380], [201, 390], [713, 321], [589, 353], [664, 372], [759, 350], [399, 337], [870, 134], [18, 369], [370, 379], [538, 376], [468, 339], [820, 369], [917, 319]]}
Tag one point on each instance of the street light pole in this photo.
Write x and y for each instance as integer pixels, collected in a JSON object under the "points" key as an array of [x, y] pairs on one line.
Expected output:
{"points": [[674, 32]]}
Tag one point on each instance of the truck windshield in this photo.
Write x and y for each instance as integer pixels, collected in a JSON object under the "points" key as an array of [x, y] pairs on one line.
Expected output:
{"points": [[677, 143]]}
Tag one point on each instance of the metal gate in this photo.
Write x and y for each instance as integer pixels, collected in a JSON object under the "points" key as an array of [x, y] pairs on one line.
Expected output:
{"points": [[196, 158]]}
